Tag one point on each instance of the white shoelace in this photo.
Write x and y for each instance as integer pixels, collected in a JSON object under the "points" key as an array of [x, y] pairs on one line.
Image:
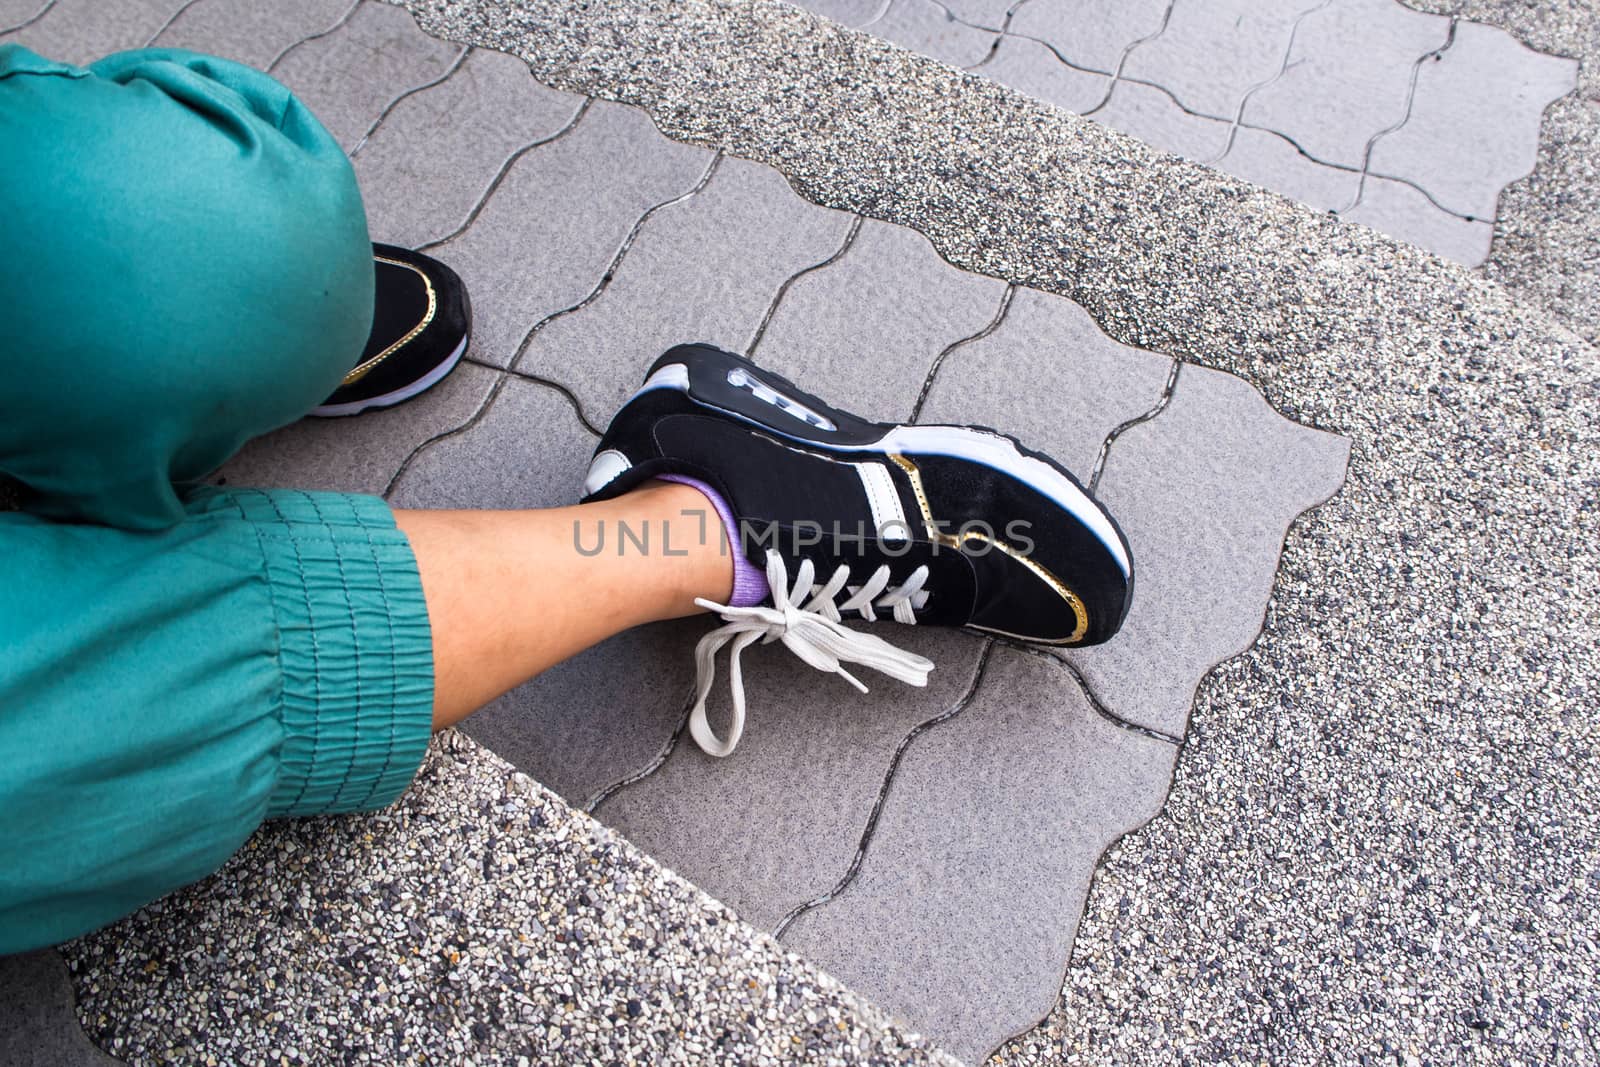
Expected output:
{"points": [[812, 631]]}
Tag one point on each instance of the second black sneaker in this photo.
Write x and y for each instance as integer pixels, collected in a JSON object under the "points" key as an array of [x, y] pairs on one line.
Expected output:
{"points": [[932, 525], [421, 324]]}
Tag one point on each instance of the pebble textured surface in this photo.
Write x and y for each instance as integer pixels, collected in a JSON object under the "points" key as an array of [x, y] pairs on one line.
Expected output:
{"points": [[479, 920], [1332, 868], [1335, 91]]}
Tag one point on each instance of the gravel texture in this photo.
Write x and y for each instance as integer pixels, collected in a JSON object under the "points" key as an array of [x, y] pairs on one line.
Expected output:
{"points": [[479, 920], [1381, 837]]}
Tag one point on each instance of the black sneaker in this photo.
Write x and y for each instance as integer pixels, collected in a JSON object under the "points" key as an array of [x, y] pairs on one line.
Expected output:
{"points": [[420, 327], [932, 525]]}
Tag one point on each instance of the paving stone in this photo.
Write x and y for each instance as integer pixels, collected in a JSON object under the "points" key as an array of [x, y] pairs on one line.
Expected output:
{"points": [[591, 721], [349, 76], [38, 1025], [248, 30], [923, 26], [1400, 210], [434, 157], [14, 13], [1205, 493], [1348, 77], [705, 269], [82, 31], [962, 917], [865, 330], [1269, 160], [549, 232], [846, 12], [749, 828], [1090, 33], [1049, 376], [1214, 51], [1146, 112], [1031, 67], [358, 455], [1474, 122]]}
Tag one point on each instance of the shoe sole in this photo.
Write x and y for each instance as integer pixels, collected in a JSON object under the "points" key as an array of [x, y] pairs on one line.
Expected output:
{"points": [[703, 372], [398, 396]]}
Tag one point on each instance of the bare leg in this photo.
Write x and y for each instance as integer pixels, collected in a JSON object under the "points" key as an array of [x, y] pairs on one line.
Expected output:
{"points": [[512, 593]]}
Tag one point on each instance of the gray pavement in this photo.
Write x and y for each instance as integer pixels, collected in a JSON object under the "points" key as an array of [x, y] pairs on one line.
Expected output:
{"points": [[1363, 852], [1408, 121]]}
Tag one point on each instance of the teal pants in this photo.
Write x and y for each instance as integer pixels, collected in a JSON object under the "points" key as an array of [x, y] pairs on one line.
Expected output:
{"points": [[186, 266]]}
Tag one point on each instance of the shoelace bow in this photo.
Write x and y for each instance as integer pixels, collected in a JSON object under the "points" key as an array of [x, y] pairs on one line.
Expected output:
{"points": [[812, 630]]}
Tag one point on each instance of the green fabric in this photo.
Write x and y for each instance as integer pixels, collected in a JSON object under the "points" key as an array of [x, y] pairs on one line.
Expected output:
{"points": [[166, 690], [187, 267]]}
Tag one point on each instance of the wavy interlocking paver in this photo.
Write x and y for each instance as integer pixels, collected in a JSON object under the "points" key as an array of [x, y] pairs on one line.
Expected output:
{"points": [[248, 30], [1051, 377], [546, 236], [1090, 33], [600, 716], [963, 912], [704, 269], [777, 823], [1273, 161], [359, 455], [347, 77], [866, 328], [81, 31], [1448, 145], [924, 26], [1213, 52], [1348, 77], [1151, 115], [1205, 493], [473, 123], [1034, 68], [1403, 211]]}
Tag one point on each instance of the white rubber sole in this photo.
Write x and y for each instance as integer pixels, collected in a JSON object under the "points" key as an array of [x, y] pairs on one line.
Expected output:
{"points": [[406, 392]]}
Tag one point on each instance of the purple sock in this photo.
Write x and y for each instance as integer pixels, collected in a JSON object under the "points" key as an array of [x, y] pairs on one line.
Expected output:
{"points": [[749, 584]]}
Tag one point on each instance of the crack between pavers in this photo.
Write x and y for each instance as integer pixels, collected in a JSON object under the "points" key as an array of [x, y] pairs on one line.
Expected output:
{"points": [[658, 761], [938, 361], [513, 365], [783, 290], [1117, 431], [883, 9], [1411, 99], [1283, 68], [343, 19], [1122, 60], [500, 176], [455, 65], [1100, 707], [870, 830], [549, 383], [31, 19], [167, 25]]}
